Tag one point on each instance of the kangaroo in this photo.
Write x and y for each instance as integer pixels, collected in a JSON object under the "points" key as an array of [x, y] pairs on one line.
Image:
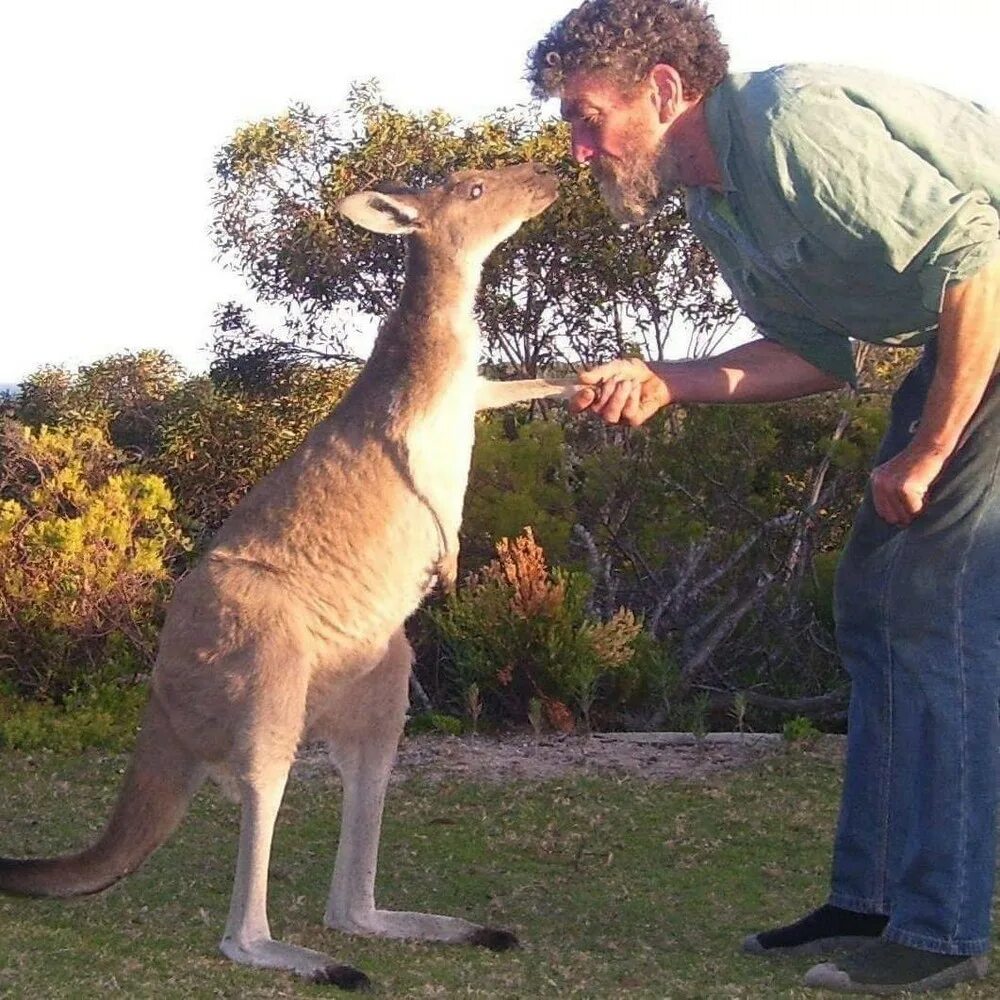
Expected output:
{"points": [[290, 626]]}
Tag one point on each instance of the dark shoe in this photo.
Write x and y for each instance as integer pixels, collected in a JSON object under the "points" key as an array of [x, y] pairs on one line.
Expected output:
{"points": [[823, 932], [885, 968]]}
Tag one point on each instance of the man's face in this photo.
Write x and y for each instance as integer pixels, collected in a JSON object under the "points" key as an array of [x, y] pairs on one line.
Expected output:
{"points": [[620, 136]]}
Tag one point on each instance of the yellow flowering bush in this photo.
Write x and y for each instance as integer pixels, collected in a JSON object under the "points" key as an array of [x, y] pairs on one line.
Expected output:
{"points": [[85, 548]]}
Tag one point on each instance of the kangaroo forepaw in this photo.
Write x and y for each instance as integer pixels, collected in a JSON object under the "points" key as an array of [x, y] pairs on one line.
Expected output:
{"points": [[494, 939], [447, 574], [344, 976]]}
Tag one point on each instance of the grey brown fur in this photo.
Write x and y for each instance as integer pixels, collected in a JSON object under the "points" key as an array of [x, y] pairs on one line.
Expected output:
{"points": [[291, 626]]}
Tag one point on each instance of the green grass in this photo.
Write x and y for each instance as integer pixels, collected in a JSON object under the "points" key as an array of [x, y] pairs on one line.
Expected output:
{"points": [[617, 888]]}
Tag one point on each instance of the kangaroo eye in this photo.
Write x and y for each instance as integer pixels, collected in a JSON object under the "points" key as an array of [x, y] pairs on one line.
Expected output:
{"points": [[477, 191]]}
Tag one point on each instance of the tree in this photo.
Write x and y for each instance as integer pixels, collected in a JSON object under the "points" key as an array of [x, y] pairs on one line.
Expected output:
{"points": [[570, 286]]}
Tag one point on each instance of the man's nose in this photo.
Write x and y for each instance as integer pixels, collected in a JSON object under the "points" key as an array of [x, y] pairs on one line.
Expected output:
{"points": [[582, 146]]}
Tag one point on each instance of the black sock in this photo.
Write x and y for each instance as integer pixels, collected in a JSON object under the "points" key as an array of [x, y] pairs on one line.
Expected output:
{"points": [[826, 922]]}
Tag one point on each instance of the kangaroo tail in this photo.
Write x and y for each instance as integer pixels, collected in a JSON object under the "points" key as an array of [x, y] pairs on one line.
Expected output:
{"points": [[160, 781]]}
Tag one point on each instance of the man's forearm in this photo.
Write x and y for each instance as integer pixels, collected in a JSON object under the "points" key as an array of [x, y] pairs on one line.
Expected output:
{"points": [[968, 349], [759, 372]]}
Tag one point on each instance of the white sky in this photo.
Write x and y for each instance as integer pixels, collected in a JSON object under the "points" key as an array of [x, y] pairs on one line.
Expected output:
{"points": [[112, 112]]}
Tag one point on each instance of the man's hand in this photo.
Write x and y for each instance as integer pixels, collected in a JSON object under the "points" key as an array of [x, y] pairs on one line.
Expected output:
{"points": [[627, 390], [968, 352], [900, 486]]}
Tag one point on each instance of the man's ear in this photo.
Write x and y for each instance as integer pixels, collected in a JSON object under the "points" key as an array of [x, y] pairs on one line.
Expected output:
{"points": [[382, 212], [668, 91]]}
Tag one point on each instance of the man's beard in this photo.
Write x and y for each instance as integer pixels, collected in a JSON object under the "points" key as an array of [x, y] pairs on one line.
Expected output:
{"points": [[635, 184]]}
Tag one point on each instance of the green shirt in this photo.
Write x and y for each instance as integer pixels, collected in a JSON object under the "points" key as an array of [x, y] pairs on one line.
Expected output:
{"points": [[850, 200]]}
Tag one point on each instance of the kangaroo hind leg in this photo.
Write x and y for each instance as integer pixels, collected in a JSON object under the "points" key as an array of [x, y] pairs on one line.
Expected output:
{"points": [[363, 747], [247, 938], [270, 727]]}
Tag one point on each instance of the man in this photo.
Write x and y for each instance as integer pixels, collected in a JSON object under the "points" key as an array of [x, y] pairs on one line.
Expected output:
{"points": [[842, 204]]}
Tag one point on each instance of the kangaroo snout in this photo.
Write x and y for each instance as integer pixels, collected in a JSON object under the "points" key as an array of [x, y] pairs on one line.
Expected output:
{"points": [[538, 176], [548, 183]]}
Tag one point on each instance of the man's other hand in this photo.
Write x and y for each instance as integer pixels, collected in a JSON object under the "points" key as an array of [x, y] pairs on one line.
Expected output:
{"points": [[626, 391], [900, 486]]}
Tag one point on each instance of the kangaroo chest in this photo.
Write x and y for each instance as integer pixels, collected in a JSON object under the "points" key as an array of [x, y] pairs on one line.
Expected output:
{"points": [[439, 452]]}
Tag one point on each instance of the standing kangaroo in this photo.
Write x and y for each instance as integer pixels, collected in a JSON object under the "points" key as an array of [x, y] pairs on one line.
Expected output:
{"points": [[291, 625]]}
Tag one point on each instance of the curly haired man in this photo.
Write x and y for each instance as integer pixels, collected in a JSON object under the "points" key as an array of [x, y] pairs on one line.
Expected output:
{"points": [[842, 204]]}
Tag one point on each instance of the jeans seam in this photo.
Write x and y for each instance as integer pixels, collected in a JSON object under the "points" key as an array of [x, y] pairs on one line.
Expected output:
{"points": [[886, 763], [963, 837], [963, 882]]}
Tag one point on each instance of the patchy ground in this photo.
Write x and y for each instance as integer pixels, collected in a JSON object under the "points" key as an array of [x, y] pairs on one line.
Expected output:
{"points": [[655, 757]]}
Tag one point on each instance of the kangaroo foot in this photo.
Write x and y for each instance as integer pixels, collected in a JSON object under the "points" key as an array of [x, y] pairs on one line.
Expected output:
{"points": [[402, 925], [312, 966]]}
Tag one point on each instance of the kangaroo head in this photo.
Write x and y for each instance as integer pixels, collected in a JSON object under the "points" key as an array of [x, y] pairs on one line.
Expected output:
{"points": [[466, 216]]}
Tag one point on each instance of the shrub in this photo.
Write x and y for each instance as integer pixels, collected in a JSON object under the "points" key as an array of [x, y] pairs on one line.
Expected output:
{"points": [[125, 394], [434, 722], [85, 546], [217, 443], [800, 730], [103, 716], [518, 631]]}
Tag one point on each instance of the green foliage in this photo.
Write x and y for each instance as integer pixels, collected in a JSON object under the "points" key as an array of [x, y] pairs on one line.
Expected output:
{"points": [[125, 394], [535, 715], [868, 423], [217, 442], [708, 522], [519, 476], [692, 510], [85, 548], [694, 716], [260, 146], [820, 591], [434, 722], [44, 396], [104, 716], [557, 288], [800, 730]]}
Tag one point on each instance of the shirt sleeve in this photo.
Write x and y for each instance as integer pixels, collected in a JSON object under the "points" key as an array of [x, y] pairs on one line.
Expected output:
{"points": [[872, 200]]}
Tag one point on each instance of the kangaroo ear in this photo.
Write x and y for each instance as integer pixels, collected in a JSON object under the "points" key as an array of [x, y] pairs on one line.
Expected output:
{"points": [[381, 212]]}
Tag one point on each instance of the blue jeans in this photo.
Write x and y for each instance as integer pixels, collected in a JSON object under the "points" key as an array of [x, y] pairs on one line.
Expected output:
{"points": [[918, 628]]}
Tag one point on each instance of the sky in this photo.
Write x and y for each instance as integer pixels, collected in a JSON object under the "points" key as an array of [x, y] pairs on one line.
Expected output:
{"points": [[112, 113]]}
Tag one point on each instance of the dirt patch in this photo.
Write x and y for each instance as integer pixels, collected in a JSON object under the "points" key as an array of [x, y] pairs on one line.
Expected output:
{"points": [[651, 756]]}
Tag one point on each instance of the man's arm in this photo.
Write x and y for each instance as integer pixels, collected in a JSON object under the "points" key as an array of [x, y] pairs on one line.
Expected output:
{"points": [[968, 350], [763, 371]]}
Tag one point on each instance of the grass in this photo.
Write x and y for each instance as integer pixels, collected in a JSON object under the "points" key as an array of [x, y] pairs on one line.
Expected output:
{"points": [[618, 888]]}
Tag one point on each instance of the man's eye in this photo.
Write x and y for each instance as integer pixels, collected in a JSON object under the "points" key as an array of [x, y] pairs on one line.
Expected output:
{"points": [[477, 191]]}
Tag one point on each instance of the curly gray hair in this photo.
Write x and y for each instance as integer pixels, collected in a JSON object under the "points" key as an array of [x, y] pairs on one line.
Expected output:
{"points": [[625, 39]]}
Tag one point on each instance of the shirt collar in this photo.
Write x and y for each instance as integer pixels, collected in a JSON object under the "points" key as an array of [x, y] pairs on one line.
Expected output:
{"points": [[719, 130]]}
